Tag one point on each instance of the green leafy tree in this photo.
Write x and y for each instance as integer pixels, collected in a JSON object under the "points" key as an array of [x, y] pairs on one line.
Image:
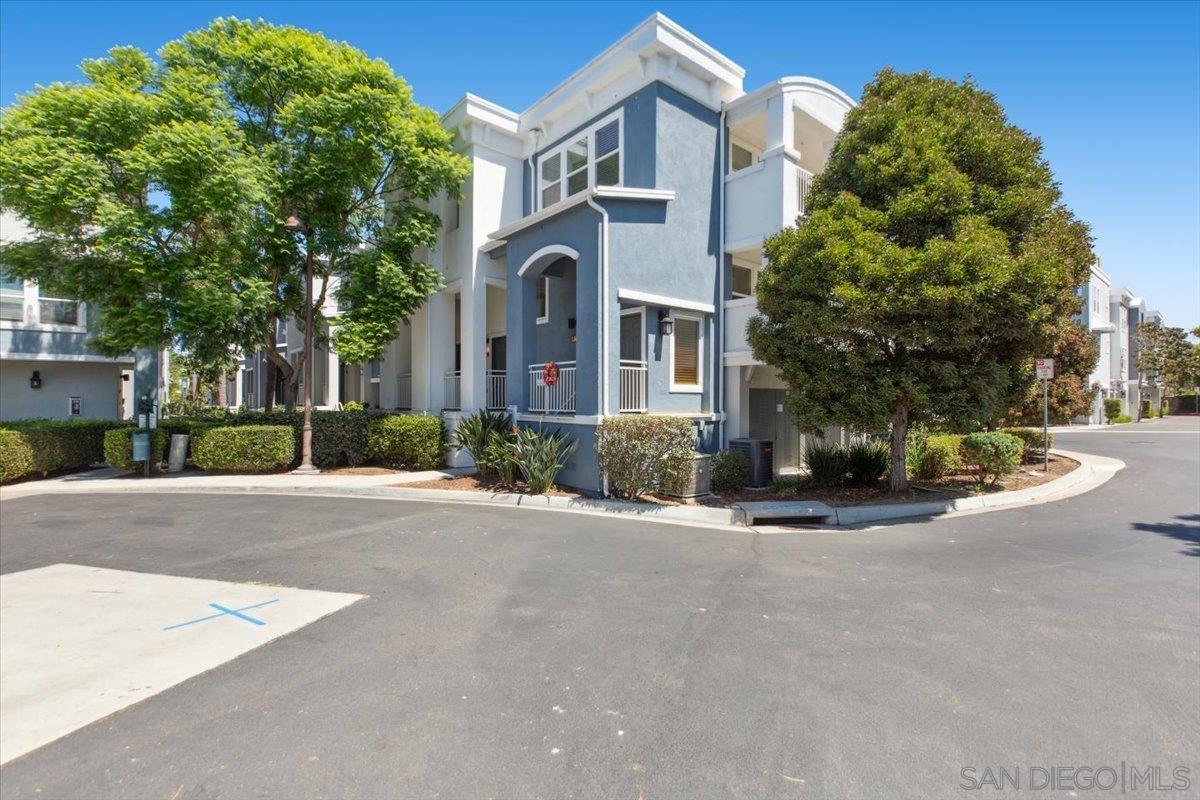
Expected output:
{"points": [[936, 261], [1070, 393], [160, 191], [1165, 355]]}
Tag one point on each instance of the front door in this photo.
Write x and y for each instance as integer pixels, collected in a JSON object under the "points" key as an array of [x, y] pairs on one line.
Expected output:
{"points": [[499, 361]]}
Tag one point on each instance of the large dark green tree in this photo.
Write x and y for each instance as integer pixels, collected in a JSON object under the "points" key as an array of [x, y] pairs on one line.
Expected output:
{"points": [[936, 261], [160, 190]]}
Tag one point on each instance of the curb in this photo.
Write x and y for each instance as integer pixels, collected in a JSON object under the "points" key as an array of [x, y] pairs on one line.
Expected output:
{"points": [[1093, 471]]}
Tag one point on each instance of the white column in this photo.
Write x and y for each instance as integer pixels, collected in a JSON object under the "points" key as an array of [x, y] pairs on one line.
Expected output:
{"points": [[473, 337], [239, 379], [333, 378]]}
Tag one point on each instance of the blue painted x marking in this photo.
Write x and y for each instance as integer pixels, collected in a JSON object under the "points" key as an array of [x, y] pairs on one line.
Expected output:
{"points": [[227, 612]]}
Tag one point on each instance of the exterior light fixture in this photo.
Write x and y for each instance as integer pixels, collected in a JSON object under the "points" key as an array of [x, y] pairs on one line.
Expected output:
{"points": [[35, 380], [666, 323]]}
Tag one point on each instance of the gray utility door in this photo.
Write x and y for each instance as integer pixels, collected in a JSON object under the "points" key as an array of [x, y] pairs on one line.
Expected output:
{"points": [[770, 419], [499, 353]]}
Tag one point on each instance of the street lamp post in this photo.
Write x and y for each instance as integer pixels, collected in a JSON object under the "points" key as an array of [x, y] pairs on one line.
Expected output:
{"points": [[306, 466]]}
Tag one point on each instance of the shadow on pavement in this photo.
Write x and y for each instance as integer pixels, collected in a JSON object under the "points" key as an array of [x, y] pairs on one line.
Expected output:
{"points": [[1186, 530]]}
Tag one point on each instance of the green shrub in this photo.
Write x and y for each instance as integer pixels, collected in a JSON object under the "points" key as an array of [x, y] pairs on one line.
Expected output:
{"points": [[786, 486], [1031, 438], [475, 432], [645, 453], [1112, 408], [939, 457], [406, 441], [991, 455], [40, 446], [730, 471], [828, 464], [352, 406], [868, 462], [245, 448], [118, 448], [1121, 419], [540, 456], [500, 453]]}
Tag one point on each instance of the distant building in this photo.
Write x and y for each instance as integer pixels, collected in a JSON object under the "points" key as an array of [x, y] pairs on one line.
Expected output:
{"points": [[47, 368]]}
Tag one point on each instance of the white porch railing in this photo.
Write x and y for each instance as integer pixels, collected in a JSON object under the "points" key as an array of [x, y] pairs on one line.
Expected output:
{"points": [[453, 386], [497, 389], [556, 399], [404, 391], [806, 179], [633, 386]]}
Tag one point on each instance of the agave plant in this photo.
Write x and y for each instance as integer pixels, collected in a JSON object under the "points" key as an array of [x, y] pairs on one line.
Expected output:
{"points": [[473, 433], [500, 455], [541, 455]]}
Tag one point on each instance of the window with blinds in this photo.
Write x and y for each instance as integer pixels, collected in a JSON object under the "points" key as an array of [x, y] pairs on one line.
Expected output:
{"points": [[685, 353]]}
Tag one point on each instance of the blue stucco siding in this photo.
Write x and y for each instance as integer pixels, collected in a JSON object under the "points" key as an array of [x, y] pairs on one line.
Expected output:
{"points": [[671, 249], [577, 229]]}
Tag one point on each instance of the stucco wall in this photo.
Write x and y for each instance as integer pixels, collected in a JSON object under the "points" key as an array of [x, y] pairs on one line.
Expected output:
{"points": [[97, 384]]}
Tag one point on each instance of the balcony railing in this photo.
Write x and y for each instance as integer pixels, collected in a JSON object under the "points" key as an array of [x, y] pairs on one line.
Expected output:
{"points": [[404, 391], [556, 399], [633, 386], [497, 389], [806, 180], [453, 391]]}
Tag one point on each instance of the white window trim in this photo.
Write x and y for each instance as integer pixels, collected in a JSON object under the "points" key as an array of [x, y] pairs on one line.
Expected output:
{"points": [[542, 320], [31, 313], [688, 388], [590, 134], [629, 312]]}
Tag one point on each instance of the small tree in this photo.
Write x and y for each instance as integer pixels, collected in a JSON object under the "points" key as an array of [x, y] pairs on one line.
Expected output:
{"points": [[1071, 392], [1165, 355], [160, 190], [936, 262]]}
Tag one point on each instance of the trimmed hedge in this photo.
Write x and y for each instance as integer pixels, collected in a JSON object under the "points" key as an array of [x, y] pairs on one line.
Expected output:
{"points": [[404, 441], [938, 456], [118, 448], [245, 448], [645, 453], [339, 437], [730, 471], [990, 456], [40, 446], [1031, 438]]}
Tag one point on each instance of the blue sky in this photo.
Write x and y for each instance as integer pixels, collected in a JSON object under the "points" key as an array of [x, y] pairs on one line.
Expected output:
{"points": [[1112, 89]]}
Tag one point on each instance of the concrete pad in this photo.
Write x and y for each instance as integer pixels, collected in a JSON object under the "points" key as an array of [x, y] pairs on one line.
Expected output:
{"points": [[79, 643]]}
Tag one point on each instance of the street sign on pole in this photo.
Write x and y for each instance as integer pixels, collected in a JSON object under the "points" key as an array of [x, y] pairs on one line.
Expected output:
{"points": [[1045, 371]]}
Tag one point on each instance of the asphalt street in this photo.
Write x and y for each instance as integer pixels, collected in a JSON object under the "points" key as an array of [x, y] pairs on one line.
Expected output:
{"points": [[512, 653]]}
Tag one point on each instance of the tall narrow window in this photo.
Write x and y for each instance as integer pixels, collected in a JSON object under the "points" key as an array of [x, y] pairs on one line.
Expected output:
{"points": [[551, 180], [608, 154], [577, 167], [685, 354], [543, 300], [12, 297]]}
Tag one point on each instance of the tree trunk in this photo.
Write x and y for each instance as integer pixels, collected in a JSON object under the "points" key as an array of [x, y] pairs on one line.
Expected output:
{"points": [[268, 399], [899, 476], [222, 390]]}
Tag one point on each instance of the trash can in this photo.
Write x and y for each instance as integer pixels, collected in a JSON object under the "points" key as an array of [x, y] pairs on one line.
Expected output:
{"points": [[177, 456]]}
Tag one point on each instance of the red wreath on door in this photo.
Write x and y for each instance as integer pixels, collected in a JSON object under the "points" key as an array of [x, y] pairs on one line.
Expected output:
{"points": [[550, 373]]}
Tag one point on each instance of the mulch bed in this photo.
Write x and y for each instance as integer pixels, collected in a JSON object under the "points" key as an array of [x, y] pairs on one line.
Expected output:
{"points": [[948, 487], [473, 483]]}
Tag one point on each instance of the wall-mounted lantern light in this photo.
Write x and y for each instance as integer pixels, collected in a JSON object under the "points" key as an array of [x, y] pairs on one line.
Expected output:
{"points": [[35, 380], [666, 323]]}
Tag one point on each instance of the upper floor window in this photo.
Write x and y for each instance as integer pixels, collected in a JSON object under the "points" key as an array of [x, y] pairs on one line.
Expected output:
{"points": [[742, 283], [593, 158], [12, 298], [58, 311]]}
